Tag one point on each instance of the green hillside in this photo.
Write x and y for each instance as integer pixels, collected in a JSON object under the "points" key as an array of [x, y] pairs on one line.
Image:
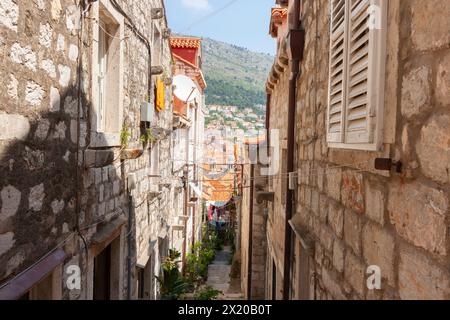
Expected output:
{"points": [[234, 75]]}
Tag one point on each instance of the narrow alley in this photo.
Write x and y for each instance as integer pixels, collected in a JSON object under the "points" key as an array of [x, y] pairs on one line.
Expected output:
{"points": [[219, 275], [205, 150]]}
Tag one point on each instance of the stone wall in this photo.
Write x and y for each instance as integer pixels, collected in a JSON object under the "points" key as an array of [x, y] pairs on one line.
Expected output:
{"points": [[258, 241], [277, 183], [40, 50], [359, 216]]}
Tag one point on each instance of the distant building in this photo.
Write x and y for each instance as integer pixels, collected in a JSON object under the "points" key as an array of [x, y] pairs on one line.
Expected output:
{"points": [[188, 138]]}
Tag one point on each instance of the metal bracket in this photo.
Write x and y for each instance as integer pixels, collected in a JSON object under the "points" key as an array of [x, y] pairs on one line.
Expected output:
{"points": [[387, 164]]}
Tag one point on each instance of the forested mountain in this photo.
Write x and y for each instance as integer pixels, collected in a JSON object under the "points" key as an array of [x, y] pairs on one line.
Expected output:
{"points": [[234, 75]]}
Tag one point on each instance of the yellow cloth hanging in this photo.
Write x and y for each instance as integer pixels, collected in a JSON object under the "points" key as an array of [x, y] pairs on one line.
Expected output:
{"points": [[160, 95]]}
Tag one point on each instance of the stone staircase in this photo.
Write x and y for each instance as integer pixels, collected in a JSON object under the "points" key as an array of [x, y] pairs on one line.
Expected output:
{"points": [[219, 275]]}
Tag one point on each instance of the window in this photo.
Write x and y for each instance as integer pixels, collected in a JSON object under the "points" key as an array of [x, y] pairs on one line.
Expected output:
{"points": [[356, 81], [107, 75]]}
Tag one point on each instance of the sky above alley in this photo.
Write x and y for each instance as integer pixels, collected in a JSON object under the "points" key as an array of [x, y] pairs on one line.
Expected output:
{"points": [[244, 23]]}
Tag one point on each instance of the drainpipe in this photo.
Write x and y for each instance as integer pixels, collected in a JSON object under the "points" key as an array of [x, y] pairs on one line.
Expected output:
{"points": [[129, 238], [195, 171], [294, 39], [250, 233], [185, 214], [269, 96]]}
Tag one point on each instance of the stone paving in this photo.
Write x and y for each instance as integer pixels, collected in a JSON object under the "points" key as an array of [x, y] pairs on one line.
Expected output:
{"points": [[219, 275]]}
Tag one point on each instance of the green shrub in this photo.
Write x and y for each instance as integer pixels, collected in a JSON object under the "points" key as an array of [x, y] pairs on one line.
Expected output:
{"points": [[197, 262], [171, 283], [207, 293]]}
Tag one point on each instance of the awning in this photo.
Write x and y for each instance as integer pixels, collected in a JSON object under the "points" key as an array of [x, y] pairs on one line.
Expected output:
{"points": [[25, 281], [106, 234]]}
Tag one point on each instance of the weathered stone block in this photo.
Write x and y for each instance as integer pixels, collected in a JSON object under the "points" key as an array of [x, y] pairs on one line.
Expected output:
{"points": [[13, 126], [332, 285], [333, 183], [353, 190], [13, 87], [336, 218], [9, 14], [36, 197], [57, 206], [42, 130], [23, 55], [6, 242], [56, 9], [355, 273], [45, 35], [352, 231], [55, 100], [421, 278], [10, 202], [338, 256], [73, 52], [416, 92], [426, 33], [59, 132], [326, 238], [418, 213], [433, 148], [99, 159], [64, 75], [34, 93], [60, 43], [443, 82], [378, 249], [375, 202]]}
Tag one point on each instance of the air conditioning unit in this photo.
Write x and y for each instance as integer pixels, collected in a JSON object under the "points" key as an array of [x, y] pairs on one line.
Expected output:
{"points": [[147, 112]]}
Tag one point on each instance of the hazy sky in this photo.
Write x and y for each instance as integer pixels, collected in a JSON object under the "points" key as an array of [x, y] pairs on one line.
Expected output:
{"points": [[241, 22]]}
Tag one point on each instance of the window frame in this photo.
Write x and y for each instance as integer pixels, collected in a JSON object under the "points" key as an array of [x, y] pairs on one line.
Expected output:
{"points": [[376, 80], [100, 135]]}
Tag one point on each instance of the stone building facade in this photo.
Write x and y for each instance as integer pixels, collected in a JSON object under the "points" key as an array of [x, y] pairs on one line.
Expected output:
{"points": [[188, 138], [351, 220], [252, 223], [86, 177]]}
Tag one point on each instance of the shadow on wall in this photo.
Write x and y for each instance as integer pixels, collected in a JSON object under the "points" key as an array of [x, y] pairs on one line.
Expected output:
{"points": [[38, 170]]}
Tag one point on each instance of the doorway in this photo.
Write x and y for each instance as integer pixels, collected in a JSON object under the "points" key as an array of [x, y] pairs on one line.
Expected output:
{"points": [[102, 275]]}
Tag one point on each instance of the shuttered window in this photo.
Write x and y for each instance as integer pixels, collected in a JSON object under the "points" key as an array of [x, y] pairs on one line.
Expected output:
{"points": [[356, 83]]}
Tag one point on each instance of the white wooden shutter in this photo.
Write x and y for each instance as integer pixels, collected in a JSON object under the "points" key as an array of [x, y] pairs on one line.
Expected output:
{"points": [[365, 72], [102, 71], [338, 53]]}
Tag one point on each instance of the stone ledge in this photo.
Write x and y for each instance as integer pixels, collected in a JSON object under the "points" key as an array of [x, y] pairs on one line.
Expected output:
{"points": [[98, 158]]}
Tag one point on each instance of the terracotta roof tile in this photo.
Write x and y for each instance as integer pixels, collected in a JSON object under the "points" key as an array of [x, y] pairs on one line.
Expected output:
{"points": [[182, 42]]}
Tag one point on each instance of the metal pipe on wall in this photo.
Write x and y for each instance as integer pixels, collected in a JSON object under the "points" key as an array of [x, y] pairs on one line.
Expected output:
{"points": [[295, 70], [250, 233]]}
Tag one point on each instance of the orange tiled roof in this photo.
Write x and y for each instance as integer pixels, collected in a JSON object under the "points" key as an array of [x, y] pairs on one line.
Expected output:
{"points": [[184, 42], [277, 16], [279, 12]]}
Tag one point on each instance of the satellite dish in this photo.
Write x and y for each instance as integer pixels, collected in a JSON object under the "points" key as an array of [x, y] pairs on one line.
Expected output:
{"points": [[185, 89]]}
